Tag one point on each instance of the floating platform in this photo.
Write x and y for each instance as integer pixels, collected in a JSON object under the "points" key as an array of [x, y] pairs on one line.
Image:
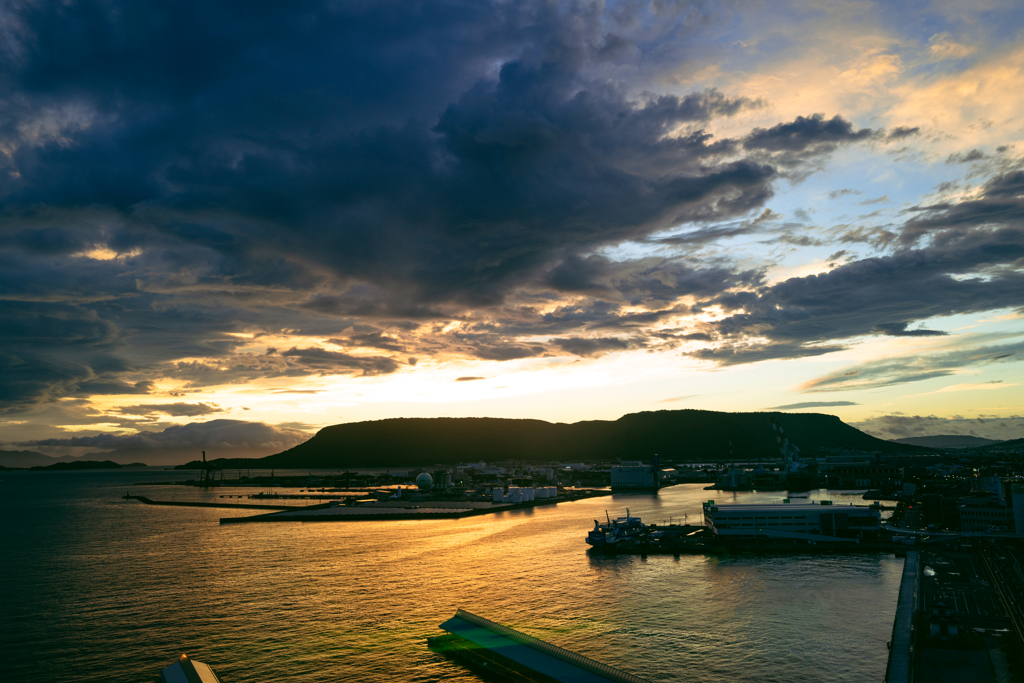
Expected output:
{"points": [[505, 654]]}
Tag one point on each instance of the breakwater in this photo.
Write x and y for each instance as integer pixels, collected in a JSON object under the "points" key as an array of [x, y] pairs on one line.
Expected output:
{"points": [[422, 511], [190, 504]]}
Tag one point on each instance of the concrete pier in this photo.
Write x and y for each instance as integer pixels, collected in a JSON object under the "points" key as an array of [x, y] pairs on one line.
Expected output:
{"points": [[900, 668]]}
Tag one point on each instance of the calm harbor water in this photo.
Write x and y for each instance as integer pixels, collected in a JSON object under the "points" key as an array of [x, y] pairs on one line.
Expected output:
{"points": [[100, 589]]}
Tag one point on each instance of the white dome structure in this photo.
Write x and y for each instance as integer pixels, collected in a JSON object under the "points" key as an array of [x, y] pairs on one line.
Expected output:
{"points": [[424, 482]]}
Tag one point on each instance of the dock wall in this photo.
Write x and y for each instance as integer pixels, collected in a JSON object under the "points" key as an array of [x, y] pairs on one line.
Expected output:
{"points": [[900, 668]]}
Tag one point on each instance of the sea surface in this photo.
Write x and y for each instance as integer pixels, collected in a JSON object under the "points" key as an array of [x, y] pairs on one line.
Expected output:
{"points": [[95, 588]]}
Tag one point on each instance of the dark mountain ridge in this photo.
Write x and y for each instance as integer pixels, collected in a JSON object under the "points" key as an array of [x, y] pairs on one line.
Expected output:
{"points": [[677, 435], [24, 459]]}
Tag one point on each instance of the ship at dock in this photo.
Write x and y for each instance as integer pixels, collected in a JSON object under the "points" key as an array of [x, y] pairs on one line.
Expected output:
{"points": [[630, 535], [785, 526]]}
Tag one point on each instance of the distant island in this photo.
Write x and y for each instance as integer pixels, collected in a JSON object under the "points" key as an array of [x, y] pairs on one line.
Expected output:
{"points": [[677, 435], [31, 460]]}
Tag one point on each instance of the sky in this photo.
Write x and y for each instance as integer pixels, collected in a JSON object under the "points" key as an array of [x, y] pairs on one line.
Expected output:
{"points": [[225, 225]]}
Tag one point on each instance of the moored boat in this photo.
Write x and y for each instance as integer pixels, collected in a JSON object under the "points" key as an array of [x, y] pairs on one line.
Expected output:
{"points": [[606, 536]]}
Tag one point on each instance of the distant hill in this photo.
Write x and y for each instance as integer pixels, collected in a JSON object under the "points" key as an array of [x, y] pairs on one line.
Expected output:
{"points": [[947, 441], [677, 435], [80, 465], [20, 459]]}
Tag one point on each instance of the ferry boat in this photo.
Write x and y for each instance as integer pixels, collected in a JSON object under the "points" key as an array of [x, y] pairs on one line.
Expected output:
{"points": [[606, 536]]}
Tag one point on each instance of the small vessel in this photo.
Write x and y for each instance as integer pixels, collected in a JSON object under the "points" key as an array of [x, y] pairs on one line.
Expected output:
{"points": [[606, 536], [187, 670]]}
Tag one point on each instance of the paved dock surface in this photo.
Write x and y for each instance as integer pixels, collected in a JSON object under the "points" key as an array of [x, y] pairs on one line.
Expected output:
{"points": [[901, 650]]}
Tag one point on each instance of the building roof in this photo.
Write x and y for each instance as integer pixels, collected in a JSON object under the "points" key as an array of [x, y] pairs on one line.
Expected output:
{"points": [[554, 662]]}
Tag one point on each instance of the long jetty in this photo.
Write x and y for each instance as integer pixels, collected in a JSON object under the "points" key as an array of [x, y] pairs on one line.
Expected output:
{"points": [[900, 667], [189, 504]]}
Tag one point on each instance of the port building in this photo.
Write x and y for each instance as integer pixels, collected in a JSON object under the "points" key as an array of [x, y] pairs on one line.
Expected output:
{"points": [[634, 475], [814, 521]]}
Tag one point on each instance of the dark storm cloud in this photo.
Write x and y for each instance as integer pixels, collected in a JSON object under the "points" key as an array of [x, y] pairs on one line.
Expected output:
{"points": [[807, 133], [901, 132], [814, 404], [738, 354], [966, 157], [262, 168], [372, 340], [594, 346], [648, 282], [905, 369], [333, 362], [114, 387], [351, 172], [959, 273], [35, 359], [900, 330], [505, 351], [172, 409], [365, 140], [999, 204]]}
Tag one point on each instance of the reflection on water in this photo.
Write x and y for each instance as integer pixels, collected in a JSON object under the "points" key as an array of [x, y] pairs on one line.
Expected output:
{"points": [[107, 590]]}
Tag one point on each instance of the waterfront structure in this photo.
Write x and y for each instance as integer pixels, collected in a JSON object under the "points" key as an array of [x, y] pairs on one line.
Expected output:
{"points": [[510, 655], [442, 480], [523, 494], [605, 536], [814, 521], [634, 475], [984, 513], [993, 485], [863, 476]]}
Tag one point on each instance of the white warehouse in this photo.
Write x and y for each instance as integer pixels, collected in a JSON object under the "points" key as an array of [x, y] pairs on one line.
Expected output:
{"points": [[812, 521]]}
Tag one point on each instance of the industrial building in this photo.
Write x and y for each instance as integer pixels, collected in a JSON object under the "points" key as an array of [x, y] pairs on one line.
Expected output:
{"points": [[818, 521], [863, 476], [634, 475], [522, 494], [998, 507]]}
